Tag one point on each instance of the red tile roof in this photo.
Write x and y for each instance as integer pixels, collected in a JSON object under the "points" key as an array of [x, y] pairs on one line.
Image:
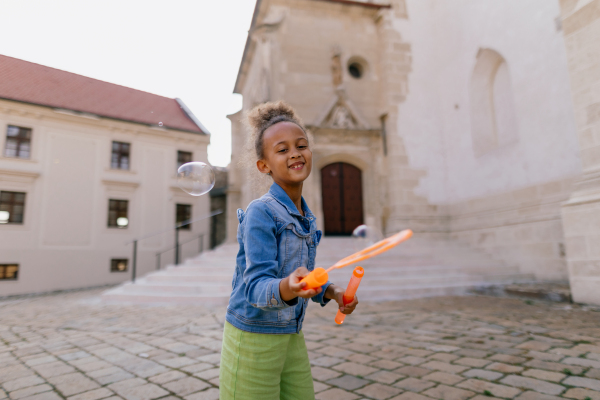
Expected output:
{"points": [[27, 82]]}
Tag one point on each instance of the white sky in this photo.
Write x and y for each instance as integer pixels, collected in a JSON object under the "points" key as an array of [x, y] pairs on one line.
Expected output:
{"points": [[189, 49]]}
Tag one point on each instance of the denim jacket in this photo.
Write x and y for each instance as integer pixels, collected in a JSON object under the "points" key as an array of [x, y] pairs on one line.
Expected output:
{"points": [[275, 239]]}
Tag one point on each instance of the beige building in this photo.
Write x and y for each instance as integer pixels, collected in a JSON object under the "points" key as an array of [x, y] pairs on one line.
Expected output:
{"points": [[454, 119], [85, 167]]}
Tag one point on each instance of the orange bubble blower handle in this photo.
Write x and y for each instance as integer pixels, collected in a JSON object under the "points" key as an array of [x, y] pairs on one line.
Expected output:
{"points": [[320, 276], [357, 275]]}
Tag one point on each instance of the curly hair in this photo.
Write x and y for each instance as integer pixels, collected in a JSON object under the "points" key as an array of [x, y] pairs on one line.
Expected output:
{"points": [[265, 115]]}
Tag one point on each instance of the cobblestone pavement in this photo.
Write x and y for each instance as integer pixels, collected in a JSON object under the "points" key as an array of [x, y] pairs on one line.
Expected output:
{"points": [[453, 348]]}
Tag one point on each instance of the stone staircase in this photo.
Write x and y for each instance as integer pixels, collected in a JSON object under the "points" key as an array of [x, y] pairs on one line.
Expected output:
{"points": [[420, 267]]}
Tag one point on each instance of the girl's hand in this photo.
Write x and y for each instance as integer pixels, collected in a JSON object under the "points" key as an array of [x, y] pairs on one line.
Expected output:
{"points": [[292, 286], [337, 293]]}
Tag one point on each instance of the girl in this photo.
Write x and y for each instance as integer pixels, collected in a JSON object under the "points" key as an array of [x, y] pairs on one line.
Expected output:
{"points": [[264, 355]]}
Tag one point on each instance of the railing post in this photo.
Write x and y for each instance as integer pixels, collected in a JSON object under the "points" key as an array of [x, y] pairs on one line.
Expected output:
{"points": [[201, 243], [134, 263], [157, 261], [177, 246]]}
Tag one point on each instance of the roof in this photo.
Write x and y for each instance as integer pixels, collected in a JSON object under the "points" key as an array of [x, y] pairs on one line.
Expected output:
{"points": [[359, 3], [32, 83]]}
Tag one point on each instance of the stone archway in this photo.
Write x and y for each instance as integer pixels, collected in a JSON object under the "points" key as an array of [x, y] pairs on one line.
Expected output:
{"points": [[341, 193]]}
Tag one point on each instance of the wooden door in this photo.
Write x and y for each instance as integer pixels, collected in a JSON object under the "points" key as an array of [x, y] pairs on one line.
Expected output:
{"points": [[341, 188]]}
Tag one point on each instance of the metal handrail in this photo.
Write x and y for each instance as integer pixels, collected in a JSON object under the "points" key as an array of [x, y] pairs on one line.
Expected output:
{"points": [[200, 249], [177, 246]]}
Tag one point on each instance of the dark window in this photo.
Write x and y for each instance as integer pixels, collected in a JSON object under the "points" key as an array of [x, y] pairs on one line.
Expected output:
{"points": [[120, 155], [356, 70], [117, 214], [183, 157], [118, 265], [184, 213], [9, 272], [12, 207], [18, 142]]}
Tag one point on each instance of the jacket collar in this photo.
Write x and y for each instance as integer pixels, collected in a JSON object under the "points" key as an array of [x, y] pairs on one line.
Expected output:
{"points": [[282, 197]]}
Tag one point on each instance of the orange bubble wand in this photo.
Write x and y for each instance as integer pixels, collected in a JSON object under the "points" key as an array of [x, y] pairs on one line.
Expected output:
{"points": [[357, 275], [319, 276]]}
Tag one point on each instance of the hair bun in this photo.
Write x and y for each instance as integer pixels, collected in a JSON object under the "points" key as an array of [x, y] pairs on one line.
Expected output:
{"points": [[260, 117]]}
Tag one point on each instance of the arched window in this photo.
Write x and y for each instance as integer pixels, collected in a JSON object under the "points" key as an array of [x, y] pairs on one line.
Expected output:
{"points": [[493, 117]]}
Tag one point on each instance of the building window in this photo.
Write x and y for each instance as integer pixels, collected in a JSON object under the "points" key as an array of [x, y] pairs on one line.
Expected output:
{"points": [[9, 272], [493, 110], [120, 155], [18, 142], [117, 214], [12, 207], [184, 213], [118, 265], [183, 157]]}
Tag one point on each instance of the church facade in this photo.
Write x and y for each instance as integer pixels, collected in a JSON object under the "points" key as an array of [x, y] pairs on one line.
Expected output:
{"points": [[454, 120]]}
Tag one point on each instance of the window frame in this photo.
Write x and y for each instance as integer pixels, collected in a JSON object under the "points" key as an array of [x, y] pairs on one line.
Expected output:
{"points": [[181, 153], [20, 140], [120, 154], [179, 211], [114, 262], [3, 268], [11, 206], [117, 210]]}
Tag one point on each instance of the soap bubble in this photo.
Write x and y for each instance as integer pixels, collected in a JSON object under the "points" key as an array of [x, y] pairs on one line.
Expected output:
{"points": [[160, 124], [195, 178], [365, 236]]}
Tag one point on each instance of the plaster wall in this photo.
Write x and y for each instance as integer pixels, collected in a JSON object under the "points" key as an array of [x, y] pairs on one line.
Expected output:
{"points": [[64, 242]]}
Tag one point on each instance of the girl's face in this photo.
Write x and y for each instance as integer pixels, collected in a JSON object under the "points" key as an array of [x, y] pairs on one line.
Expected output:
{"points": [[286, 154]]}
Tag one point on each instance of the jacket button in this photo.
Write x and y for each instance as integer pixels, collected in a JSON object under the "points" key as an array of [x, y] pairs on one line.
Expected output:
{"points": [[274, 302]]}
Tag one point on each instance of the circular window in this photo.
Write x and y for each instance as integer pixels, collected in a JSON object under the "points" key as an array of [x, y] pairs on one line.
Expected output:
{"points": [[356, 70]]}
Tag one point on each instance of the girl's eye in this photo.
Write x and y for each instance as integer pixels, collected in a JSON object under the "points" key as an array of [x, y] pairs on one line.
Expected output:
{"points": [[302, 147], [282, 150]]}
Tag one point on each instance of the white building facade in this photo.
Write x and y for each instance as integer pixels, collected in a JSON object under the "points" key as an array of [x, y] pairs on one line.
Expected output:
{"points": [[85, 171]]}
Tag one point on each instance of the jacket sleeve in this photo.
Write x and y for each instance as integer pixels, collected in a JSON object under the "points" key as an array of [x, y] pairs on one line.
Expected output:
{"points": [[260, 244], [320, 298]]}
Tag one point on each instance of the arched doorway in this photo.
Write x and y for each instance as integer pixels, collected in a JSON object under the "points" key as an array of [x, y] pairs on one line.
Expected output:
{"points": [[341, 188]]}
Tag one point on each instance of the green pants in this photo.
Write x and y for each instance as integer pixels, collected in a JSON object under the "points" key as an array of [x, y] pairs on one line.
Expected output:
{"points": [[264, 367]]}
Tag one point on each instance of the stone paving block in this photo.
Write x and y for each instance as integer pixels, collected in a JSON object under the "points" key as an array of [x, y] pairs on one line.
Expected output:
{"points": [[582, 394], [529, 395], [544, 375], [144, 392], [186, 386], [445, 357], [386, 377], [114, 378], [414, 384], [586, 348], [96, 394], [552, 366], [378, 391], [41, 360], [44, 396], [336, 394], [581, 362], [214, 358], [126, 384], [324, 374], [412, 360], [209, 394], [504, 368], [319, 387], [483, 397], [586, 383], [208, 374], [565, 352], [506, 358], [386, 364], [496, 390], [13, 372], [444, 392], [178, 362], [443, 348], [94, 366], [30, 391], [74, 355], [472, 362], [534, 345], [196, 367], [593, 373], [355, 369], [443, 377], [410, 396], [483, 374], [472, 353], [544, 356], [413, 371], [326, 361], [445, 367], [348, 382], [360, 358], [21, 383], [71, 384], [167, 377], [533, 384]]}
